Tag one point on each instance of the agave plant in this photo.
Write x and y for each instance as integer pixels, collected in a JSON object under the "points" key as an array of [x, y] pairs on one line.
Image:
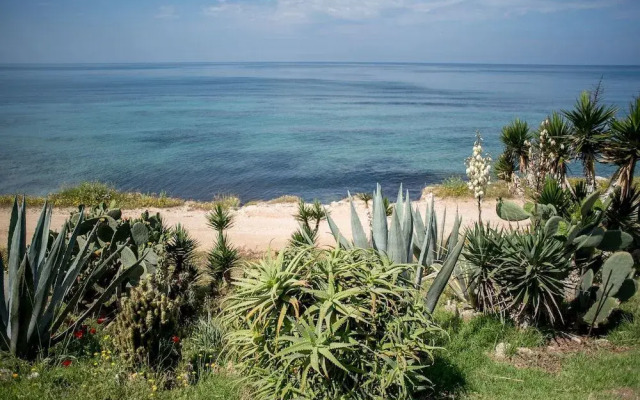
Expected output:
{"points": [[589, 125], [515, 138], [622, 146], [33, 310], [407, 239]]}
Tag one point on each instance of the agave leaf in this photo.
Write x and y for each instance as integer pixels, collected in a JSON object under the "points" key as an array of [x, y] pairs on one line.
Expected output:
{"points": [[439, 283], [341, 240], [47, 274], [359, 237], [395, 245], [379, 228], [3, 305], [399, 203], [13, 221], [38, 245], [17, 250], [407, 230]]}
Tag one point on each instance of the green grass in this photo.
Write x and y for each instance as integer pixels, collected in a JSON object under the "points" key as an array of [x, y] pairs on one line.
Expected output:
{"points": [[455, 187], [467, 370], [93, 193], [227, 201], [83, 380]]}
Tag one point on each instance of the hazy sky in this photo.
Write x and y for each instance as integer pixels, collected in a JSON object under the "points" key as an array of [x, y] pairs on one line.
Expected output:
{"points": [[483, 31]]}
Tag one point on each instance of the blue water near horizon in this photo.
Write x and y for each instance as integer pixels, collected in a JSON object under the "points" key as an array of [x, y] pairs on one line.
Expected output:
{"points": [[261, 130]]}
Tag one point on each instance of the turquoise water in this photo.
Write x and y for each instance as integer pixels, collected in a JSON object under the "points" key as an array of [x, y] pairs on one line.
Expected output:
{"points": [[261, 130]]}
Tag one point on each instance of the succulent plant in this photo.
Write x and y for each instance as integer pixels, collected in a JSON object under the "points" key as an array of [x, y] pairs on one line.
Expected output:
{"points": [[406, 239], [617, 286], [144, 238], [145, 331], [42, 278]]}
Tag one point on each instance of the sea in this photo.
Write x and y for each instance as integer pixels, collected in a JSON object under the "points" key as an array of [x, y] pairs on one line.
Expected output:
{"points": [[262, 130]]}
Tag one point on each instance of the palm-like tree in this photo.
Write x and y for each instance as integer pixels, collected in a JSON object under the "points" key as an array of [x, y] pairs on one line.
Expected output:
{"points": [[589, 125], [515, 138], [559, 133], [622, 146]]}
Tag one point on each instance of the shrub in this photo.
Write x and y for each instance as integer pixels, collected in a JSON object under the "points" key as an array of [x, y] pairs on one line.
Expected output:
{"points": [[323, 324], [41, 276]]}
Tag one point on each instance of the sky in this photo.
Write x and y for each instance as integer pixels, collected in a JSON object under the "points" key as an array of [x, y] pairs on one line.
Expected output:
{"points": [[579, 32]]}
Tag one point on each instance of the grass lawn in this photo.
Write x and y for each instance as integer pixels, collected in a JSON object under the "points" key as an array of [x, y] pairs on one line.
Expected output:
{"points": [[465, 370]]}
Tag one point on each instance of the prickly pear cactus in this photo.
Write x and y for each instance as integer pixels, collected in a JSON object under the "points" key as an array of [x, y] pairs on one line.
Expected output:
{"points": [[144, 238], [617, 285], [145, 330]]}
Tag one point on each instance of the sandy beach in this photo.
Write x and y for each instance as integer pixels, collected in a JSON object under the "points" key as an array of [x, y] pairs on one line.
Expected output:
{"points": [[260, 226]]}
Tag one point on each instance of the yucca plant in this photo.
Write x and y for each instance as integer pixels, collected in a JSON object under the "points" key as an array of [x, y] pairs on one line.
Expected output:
{"points": [[515, 138], [532, 270], [223, 256], [505, 167], [328, 324], [589, 126], [309, 217], [33, 310], [624, 213], [482, 254], [559, 135], [553, 194], [622, 146]]}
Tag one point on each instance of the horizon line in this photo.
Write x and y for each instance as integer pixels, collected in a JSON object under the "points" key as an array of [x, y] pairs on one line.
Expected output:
{"points": [[63, 63]]}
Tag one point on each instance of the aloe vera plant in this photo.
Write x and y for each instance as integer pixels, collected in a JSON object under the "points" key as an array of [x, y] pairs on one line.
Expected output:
{"points": [[41, 275], [407, 239]]}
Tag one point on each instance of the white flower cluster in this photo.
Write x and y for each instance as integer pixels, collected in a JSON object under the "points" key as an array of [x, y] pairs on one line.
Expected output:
{"points": [[478, 170]]}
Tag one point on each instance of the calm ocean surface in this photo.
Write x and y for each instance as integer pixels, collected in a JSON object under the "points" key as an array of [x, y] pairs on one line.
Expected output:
{"points": [[261, 130]]}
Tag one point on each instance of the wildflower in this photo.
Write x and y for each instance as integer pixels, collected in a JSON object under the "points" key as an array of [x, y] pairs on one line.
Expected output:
{"points": [[154, 388], [92, 331], [66, 363], [78, 334], [101, 320], [15, 375], [175, 339]]}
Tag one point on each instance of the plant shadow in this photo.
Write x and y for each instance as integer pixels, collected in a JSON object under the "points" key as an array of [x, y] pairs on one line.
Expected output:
{"points": [[448, 380]]}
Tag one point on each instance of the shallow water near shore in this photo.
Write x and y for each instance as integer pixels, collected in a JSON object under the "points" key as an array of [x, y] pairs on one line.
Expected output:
{"points": [[261, 130]]}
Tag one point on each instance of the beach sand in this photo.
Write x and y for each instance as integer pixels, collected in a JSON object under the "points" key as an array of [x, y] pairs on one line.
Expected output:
{"points": [[261, 226]]}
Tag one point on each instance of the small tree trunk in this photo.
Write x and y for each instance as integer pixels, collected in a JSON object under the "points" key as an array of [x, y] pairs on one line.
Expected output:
{"points": [[625, 180]]}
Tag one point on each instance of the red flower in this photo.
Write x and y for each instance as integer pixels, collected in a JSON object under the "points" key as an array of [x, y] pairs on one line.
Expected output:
{"points": [[101, 320], [66, 363], [92, 331], [78, 334], [175, 339]]}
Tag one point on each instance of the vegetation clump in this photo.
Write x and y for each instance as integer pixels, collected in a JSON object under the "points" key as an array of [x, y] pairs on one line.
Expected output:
{"points": [[327, 324]]}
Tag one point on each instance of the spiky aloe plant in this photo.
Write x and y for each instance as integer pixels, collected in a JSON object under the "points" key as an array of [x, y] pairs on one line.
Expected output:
{"points": [[40, 276], [407, 239]]}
